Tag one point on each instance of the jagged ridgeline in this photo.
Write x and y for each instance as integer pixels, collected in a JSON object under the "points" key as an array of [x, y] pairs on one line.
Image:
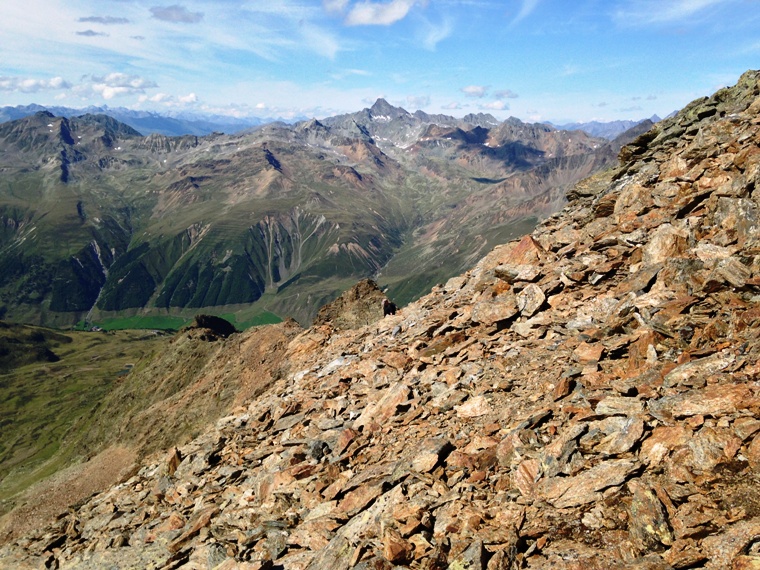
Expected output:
{"points": [[97, 221]]}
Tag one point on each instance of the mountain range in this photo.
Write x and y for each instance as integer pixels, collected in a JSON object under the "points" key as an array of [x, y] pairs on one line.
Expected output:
{"points": [[606, 129], [146, 122], [100, 222], [583, 397]]}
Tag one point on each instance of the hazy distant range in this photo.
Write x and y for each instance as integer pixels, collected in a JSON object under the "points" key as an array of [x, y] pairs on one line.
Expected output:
{"points": [[200, 124]]}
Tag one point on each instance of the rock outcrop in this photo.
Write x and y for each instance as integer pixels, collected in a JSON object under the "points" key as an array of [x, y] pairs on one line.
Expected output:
{"points": [[359, 306], [583, 398]]}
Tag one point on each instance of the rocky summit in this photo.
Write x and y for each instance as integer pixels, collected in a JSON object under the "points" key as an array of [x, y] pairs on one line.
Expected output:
{"points": [[586, 397]]}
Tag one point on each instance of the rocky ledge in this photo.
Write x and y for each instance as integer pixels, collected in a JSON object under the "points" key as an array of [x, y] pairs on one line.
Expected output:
{"points": [[584, 398]]}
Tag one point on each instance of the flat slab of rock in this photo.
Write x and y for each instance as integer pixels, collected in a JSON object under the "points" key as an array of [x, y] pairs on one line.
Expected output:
{"points": [[564, 492]]}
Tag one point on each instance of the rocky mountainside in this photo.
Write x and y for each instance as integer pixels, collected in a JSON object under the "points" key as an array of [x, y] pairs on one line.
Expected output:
{"points": [[97, 221], [585, 397]]}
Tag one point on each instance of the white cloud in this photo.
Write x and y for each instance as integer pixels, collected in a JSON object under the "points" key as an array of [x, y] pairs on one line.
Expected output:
{"points": [[452, 106], [475, 90], [379, 13], [118, 84], [28, 85], [495, 106], [647, 12], [189, 98]]}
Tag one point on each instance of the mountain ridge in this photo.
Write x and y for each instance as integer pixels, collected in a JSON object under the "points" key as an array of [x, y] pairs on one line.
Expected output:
{"points": [[102, 222]]}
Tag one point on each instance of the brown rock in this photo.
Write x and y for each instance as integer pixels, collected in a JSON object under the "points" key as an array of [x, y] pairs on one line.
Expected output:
{"points": [[563, 492], [622, 433], [662, 441], [395, 548], [495, 311], [429, 453], [648, 524], [200, 520], [474, 408], [722, 549], [386, 407], [526, 476], [619, 405], [587, 353], [746, 563], [715, 400], [530, 300]]}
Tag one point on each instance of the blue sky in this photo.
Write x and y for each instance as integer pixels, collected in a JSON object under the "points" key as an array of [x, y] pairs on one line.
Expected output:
{"points": [[538, 60]]}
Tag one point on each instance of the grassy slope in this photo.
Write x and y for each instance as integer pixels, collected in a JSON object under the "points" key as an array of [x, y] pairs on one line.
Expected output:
{"points": [[46, 406]]}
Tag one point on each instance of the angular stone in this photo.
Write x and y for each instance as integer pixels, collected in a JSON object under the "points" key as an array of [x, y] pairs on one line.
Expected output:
{"points": [[746, 563], [526, 476], [474, 408], [587, 353], [622, 433], [665, 243], [695, 372], [619, 405], [564, 492], [530, 300], [716, 400], [494, 311], [647, 521], [511, 273], [662, 441], [429, 453], [395, 549], [200, 520], [386, 407], [722, 549]]}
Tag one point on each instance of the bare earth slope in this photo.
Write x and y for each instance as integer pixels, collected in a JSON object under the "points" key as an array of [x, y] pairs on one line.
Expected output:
{"points": [[583, 398]]}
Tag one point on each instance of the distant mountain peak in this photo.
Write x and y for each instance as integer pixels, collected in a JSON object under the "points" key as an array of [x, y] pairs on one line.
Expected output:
{"points": [[481, 119], [384, 110]]}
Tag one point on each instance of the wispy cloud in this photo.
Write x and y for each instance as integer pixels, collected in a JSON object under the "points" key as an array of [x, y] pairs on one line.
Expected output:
{"points": [[526, 9], [107, 20], [432, 34], [168, 100], [29, 85], [505, 94], [378, 13], [319, 41], [344, 73], [648, 12], [475, 90], [176, 13], [418, 101], [335, 6]]}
